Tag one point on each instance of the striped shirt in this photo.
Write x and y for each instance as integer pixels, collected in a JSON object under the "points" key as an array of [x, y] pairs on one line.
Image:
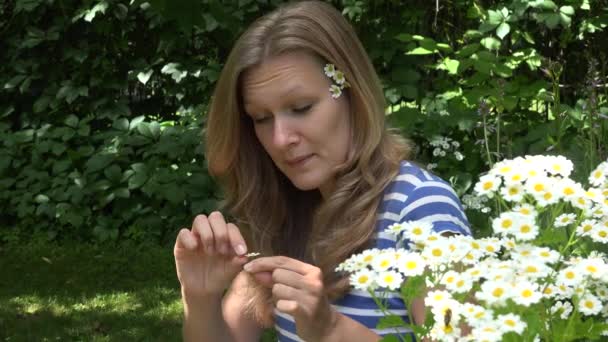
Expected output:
{"points": [[413, 195]]}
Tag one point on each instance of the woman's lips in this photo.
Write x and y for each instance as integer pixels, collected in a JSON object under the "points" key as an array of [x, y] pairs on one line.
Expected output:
{"points": [[299, 161]]}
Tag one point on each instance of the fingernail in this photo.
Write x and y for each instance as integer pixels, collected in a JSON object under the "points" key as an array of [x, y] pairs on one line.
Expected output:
{"points": [[240, 249], [247, 267]]}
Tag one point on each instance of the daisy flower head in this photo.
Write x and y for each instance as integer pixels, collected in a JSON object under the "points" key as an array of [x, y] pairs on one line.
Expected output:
{"points": [[504, 167], [364, 280], [389, 279], [526, 293], [569, 276], [435, 298], [563, 309], [335, 91], [490, 331], [559, 166], [417, 231], [568, 188], [564, 220], [512, 192], [525, 209], [411, 264], [589, 305], [586, 227], [487, 185], [383, 261], [437, 252], [368, 256], [534, 269], [395, 229], [537, 186], [594, 268], [339, 77], [546, 255], [505, 223], [511, 323], [599, 175], [525, 229], [330, 70], [599, 233], [548, 197], [494, 293]]}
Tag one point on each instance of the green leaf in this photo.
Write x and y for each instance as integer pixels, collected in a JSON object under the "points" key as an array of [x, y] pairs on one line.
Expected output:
{"points": [[210, 22], [565, 20], [14, 82], [137, 180], [567, 10], [122, 193], [41, 104], [40, 198], [113, 173], [136, 121], [503, 30], [491, 43], [121, 124], [98, 162], [143, 77], [420, 51], [495, 17], [71, 121], [99, 8]]}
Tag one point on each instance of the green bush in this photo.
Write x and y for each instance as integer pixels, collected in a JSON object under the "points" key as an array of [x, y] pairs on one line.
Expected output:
{"points": [[102, 102]]}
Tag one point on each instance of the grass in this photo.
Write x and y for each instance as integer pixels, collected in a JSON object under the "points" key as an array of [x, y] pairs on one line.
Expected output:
{"points": [[82, 292], [88, 293]]}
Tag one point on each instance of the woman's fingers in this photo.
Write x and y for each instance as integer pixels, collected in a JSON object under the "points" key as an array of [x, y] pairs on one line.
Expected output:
{"points": [[201, 227], [220, 233], [237, 243], [186, 240]]}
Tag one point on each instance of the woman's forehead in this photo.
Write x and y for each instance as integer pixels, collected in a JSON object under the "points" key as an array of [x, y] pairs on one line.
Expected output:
{"points": [[281, 76]]}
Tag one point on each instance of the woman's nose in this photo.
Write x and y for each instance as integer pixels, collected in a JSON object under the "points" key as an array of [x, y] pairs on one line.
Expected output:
{"points": [[284, 133]]}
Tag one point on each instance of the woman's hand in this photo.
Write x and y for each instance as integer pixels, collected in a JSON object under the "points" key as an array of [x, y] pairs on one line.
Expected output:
{"points": [[208, 256], [297, 290]]}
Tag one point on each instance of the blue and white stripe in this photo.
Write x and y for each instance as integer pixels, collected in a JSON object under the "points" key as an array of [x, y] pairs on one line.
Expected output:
{"points": [[414, 194]]}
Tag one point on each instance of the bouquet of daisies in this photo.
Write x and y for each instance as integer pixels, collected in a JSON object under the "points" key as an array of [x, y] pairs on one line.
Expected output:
{"points": [[542, 274]]}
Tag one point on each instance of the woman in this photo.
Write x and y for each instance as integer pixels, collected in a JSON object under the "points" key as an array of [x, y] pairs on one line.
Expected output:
{"points": [[296, 134]]}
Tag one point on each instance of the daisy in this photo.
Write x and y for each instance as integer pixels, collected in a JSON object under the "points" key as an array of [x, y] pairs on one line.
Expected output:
{"points": [[569, 276], [600, 234], [511, 323], [505, 223], [329, 70], [564, 219], [586, 227], [559, 165], [383, 261], [526, 293], [335, 91], [525, 209], [487, 185], [417, 231], [562, 308], [589, 305], [434, 298], [389, 279], [546, 255], [512, 192], [568, 188], [494, 292], [411, 264], [363, 279], [339, 77], [537, 186], [525, 229], [598, 176]]}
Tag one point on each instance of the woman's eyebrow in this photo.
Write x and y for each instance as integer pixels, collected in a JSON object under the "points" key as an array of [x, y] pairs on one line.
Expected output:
{"points": [[284, 95]]}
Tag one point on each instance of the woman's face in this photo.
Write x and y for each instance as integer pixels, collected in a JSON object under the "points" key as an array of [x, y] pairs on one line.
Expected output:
{"points": [[305, 130]]}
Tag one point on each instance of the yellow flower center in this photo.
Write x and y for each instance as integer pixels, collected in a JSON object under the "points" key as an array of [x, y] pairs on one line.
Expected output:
{"points": [[589, 304], [526, 293], [525, 228], [602, 233], [487, 185], [531, 269], [506, 224], [417, 231], [437, 252], [498, 292], [363, 279], [513, 191], [568, 191], [539, 187], [570, 275], [410, 265], [591, 269], [510, 322]]}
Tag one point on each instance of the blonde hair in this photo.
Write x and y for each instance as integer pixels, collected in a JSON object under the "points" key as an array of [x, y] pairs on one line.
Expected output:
{"points": [[275, 217]]}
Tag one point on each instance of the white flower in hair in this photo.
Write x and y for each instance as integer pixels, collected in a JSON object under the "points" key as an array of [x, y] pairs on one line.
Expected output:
{"points": [[330, 70], [339, 77], [335, 90]]}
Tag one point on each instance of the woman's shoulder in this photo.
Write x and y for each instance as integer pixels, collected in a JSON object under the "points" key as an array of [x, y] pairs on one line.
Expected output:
{"points": [[410, 177]]}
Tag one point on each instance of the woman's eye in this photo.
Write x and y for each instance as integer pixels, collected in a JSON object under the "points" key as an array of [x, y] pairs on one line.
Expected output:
{"points": [[302, 109]]}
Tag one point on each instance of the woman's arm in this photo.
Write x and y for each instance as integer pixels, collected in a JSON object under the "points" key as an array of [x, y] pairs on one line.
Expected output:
{"points": [[217, 319]]}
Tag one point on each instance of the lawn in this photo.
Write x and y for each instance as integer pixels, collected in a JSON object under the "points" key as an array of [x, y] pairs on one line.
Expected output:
{"points": [[81, 292]]}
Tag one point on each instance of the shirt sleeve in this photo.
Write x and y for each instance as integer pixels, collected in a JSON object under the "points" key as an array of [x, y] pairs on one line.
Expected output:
{"points": [[436, 202]]}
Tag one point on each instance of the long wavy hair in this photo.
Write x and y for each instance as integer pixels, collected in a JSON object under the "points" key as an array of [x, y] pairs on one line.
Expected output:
{"points": [[276, 218]]}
